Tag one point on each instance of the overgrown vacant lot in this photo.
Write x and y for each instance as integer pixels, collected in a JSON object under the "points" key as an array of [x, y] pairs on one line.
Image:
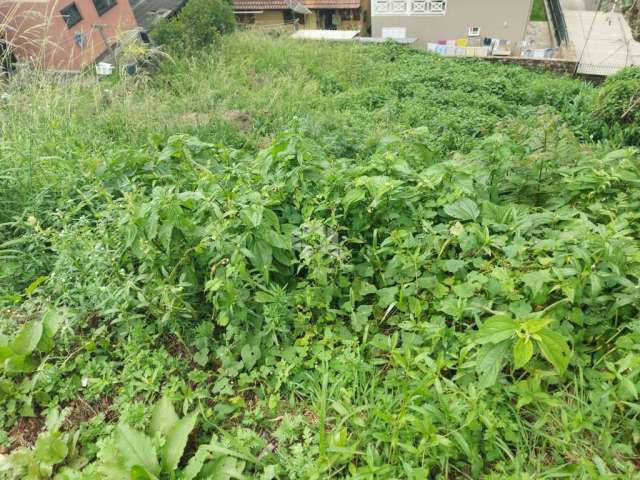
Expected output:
{"points": [[333, 261]]}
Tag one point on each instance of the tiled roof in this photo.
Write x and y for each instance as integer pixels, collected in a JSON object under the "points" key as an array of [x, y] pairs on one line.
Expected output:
{"points": [[259, 4], [331, 4], [240, 5]]}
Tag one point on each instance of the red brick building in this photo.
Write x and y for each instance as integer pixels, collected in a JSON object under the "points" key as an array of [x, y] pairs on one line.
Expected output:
{"points": [[63, 35]]}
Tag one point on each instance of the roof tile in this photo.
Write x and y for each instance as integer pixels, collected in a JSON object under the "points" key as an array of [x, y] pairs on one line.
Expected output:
{"points": [[240, 5]]}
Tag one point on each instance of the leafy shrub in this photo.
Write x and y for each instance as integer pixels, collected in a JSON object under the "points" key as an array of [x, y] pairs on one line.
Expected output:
{"points": [[508, 269], [129, 453], [36, 336], [618, 105], [199, 24], [53, 448]]}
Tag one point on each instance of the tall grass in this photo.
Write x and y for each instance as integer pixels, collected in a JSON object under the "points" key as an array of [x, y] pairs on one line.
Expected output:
{"points": [[55, 132]]}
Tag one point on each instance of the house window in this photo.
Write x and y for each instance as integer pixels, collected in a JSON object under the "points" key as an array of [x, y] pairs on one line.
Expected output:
{"points": [[349, 14], [290, 16], [409, 7], [71, 14], [103, 6], [246, 18], [474, 31]]}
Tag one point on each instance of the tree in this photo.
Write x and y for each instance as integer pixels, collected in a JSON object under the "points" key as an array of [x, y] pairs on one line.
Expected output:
{"points": [[198, 24]]}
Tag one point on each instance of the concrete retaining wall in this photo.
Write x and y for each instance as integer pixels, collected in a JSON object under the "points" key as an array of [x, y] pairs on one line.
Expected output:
{"points": [[547, 65]]}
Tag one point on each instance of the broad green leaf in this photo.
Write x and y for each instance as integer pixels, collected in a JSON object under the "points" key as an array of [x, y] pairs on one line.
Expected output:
{"points": [[555, 348], [20, 364], [165, 235], [275, 239], [7, 387], [465, 290], [176, 440], [21, 457], [630, 387], [522, 352], [250, 355], [536, 280], [201, 357], [34, 285], [463, 209], [596, 284], [139, 473], [136, 449], [386, 296], [489, 363], [5, 352], [46, 344], [54, 420], [224, 468], [252, 215], [151, 224], [110, 463], [27, 339], [51, 322], [453, 265], [536, 324], [219, 450], [51, 449], [163, 416], [463, 444], [354, 195], [196, 462], [262, 254], [496, 329], [361, 316]]}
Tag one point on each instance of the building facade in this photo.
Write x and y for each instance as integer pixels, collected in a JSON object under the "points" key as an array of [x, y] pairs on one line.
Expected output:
{"points": [[315, 14], [441, 20], [63, 35]]}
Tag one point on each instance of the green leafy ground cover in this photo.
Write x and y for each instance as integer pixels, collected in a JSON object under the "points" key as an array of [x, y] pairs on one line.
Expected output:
{"points": [[292, 260]]}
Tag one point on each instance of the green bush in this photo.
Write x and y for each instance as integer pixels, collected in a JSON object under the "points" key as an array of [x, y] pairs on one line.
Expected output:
{"points": [[199, 23], [618, 105]]}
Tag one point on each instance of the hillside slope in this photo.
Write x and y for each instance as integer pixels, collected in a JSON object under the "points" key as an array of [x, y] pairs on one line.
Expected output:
{"points": [[351, 261]]}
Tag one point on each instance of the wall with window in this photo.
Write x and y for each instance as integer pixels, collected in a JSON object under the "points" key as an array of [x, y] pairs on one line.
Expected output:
{"points": [[433, 20], [270, 17], [64, 35]]}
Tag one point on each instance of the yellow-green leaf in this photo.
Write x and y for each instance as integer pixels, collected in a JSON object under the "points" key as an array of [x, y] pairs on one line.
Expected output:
{"points": [[463, 209], [27, 339], [496, 329], [536, 324], [51, 449], [177, 438], [522, 352], [555, 348], [136, 449], [163, 416]]}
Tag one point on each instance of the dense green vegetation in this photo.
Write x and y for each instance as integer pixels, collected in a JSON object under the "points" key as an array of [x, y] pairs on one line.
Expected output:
{"points": [[302, 260], [199, 24]]}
